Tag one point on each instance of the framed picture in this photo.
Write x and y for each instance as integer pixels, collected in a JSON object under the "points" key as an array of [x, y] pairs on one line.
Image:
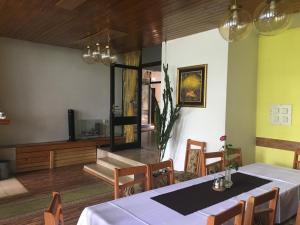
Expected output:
{"points": [[191, 86]]}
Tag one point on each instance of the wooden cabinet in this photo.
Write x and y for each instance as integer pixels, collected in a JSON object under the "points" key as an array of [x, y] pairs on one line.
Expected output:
{"points": [[31, 157], [4, 121]]}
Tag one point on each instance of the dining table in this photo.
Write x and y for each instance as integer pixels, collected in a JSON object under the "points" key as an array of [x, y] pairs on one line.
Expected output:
{"points": [[191, 202]]}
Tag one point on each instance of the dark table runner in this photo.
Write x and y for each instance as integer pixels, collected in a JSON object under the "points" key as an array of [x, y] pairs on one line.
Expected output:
{"points": [[194, 198]]}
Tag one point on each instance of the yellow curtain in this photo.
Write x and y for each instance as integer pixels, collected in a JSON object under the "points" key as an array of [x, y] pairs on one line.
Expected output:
{"points": [[130, 78]]}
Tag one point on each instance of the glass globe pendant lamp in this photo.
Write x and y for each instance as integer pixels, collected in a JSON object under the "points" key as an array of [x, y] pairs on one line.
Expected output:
{"points": [[107, 56], [271, 18], [87, 55], [97, 53], [236, 25]]}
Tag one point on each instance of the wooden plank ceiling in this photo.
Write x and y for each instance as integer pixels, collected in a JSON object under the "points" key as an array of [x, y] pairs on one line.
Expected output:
{"points": [[132, 23]]}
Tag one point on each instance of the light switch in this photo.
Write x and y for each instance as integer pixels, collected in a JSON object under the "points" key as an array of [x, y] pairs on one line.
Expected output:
{"points": [[284, 111], [281, 114]]}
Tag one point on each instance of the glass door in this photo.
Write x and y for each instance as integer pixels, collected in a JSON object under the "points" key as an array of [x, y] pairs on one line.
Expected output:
{"points": [[125, 107]]}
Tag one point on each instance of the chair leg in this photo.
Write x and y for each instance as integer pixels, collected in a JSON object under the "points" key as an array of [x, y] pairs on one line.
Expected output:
{"points": [[61, 219]]}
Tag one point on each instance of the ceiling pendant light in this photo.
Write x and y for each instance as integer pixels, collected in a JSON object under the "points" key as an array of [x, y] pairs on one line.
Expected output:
{"points": [[236, 25], [87, 55], [97, 53], [271, 18], [108, 56]]}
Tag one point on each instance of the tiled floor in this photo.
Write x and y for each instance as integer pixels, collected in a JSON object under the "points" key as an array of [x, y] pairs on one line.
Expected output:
{"points": [[141, 155], [148, 140], [146, 154]]}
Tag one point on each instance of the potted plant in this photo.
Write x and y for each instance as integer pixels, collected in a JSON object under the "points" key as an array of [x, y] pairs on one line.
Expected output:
{"points": [[165, 117]]}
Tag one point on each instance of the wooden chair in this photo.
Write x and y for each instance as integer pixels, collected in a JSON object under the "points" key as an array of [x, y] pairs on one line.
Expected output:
{"points": [[192, 166], [298, 216], [296, 164], [160, 174], [210, 168], [53, 215], [236, 212], [262, 216], [125, 186], [236, 156]]}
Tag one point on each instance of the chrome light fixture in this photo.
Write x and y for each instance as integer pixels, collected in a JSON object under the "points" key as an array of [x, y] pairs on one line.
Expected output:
{"points": [[271, 18], [97, 53], [87, 55], [107, 56], [236, 25]]}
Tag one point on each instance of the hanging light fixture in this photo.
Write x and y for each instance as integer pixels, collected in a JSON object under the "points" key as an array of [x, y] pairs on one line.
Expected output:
{"points": [[108, 56], [87, 55], [97, 53], [236, 25], [271, 18]]}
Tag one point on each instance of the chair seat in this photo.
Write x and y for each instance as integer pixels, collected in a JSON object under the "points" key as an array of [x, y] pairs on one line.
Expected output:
{"points": [[181, 176], [214, 167], [134, 189], [160, 181]]}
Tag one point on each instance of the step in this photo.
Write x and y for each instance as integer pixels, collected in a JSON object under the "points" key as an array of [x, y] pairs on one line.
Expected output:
{"points": [[112, 163], [103, 154], [105, 173]]}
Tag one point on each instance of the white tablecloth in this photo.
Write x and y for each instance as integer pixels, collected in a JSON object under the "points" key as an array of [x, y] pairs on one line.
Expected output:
{"points": [[141, 209]]}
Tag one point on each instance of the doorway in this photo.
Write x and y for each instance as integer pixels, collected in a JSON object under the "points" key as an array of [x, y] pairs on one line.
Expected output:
{"points": [[151, 92], [125, 107], [137, 88]]}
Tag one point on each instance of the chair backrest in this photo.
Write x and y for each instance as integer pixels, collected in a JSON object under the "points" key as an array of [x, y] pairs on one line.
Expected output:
{"points": [[53, 215], [262, 214], [236, 156], [236, 212], [128, 186], [296, 164], [298, 216], [218, 166], [161, 174], [193, 156]]}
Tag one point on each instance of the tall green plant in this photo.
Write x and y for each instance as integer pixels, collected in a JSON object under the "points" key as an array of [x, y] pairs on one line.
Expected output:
{"points": [[166, 117]]}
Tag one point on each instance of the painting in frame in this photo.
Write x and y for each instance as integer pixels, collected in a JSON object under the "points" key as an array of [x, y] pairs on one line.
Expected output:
{"points": [[191, 86]]}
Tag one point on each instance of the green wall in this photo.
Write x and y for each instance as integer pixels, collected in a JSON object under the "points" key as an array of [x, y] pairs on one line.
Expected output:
{"points": [[278, 83]]}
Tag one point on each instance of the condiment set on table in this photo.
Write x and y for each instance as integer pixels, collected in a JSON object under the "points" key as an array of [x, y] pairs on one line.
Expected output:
{"points": [[220, 183]]}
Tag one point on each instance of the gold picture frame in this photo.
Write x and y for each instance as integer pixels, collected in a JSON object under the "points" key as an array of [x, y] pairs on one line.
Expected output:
{"points": [[191, 86]]}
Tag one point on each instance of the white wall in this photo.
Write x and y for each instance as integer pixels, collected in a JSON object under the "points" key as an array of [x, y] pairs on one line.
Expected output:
{"points": [[38, 83], [241, 96], [204, 124]]}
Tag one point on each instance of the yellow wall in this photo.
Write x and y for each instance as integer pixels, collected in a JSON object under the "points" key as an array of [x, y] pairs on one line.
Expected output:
{"points": [[278, 83]]}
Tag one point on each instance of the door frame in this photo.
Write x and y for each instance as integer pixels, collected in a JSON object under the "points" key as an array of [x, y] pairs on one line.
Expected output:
{"points": [[145, 66], [125, 120], [131, 119]]}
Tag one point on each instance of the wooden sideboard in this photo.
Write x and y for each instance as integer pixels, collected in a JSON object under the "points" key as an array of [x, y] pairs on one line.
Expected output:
{"points": [[31, 157], [4, 121]]}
